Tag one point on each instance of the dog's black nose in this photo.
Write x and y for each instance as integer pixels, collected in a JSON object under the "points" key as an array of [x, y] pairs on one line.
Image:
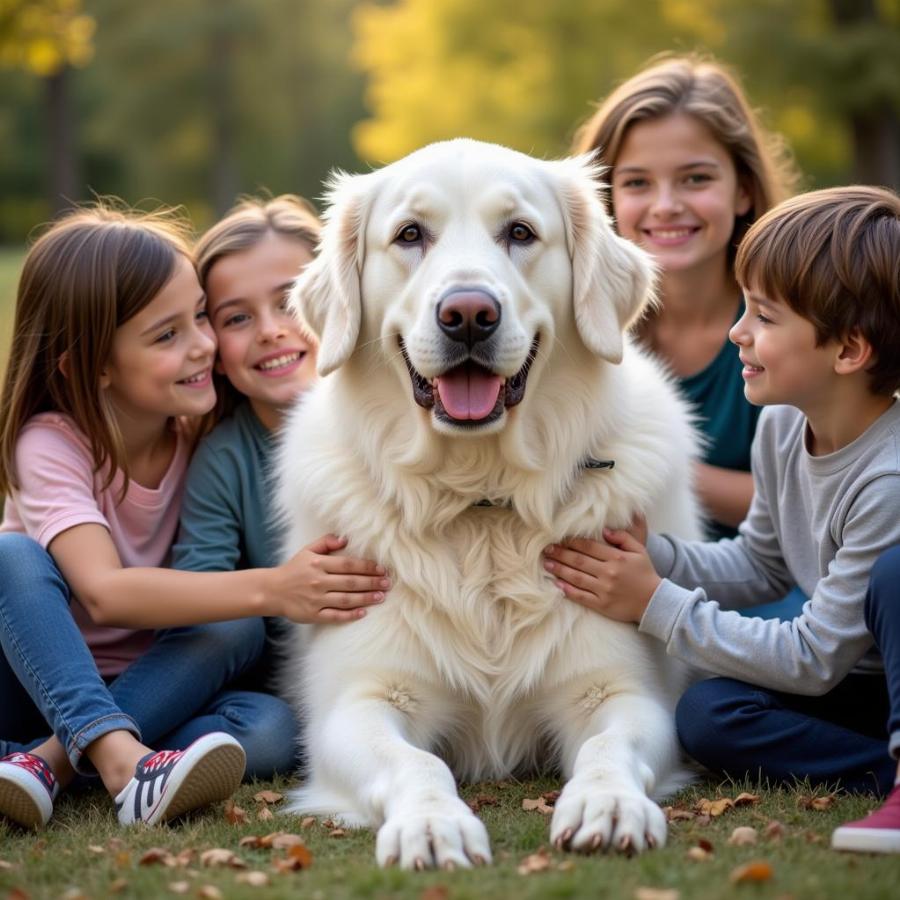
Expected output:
{"points": [[468, 316]]}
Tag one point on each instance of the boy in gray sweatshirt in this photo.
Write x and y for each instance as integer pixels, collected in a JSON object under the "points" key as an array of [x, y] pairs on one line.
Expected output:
{"points": [[808, 698]]}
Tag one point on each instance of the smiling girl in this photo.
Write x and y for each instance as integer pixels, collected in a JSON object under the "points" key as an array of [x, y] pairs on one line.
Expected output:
{"points": [[109, 372], [691, 170]]}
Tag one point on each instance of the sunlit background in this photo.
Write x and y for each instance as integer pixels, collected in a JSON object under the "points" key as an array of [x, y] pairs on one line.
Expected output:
{"points": [[194, 102]]}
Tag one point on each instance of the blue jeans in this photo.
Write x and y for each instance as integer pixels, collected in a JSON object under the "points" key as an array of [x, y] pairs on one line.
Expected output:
{"points": [[174, 693], [851, 734]]}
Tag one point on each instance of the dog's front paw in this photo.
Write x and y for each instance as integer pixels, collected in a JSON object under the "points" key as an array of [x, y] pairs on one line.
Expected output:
{"points": [[433, 835], [592, 816]]}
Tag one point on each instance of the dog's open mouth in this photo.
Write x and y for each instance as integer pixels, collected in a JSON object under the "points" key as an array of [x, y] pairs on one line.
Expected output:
{"points": [[469, 394]]}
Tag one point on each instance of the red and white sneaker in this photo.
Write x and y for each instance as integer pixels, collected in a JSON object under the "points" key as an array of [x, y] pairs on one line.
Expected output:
{"points": [[879, 832], [172, 782], [27, 789]]}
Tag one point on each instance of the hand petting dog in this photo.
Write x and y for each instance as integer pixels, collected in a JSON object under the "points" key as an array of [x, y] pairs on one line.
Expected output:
{"points": [[615, 578]]}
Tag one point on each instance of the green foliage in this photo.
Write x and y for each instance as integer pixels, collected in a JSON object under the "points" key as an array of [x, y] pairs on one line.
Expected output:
{"points": [[42, 36], [523, 72]]}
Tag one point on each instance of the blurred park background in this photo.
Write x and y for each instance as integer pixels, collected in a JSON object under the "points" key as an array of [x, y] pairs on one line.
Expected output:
{"points": [[194, 102]]}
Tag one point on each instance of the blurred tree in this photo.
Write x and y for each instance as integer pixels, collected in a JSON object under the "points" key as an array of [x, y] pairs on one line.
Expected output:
{"points": [[47, 38], [521, 72]]}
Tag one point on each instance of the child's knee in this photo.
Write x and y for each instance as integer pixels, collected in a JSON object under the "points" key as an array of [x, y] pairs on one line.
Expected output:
{"points": [[705, 715], [269, 736]]}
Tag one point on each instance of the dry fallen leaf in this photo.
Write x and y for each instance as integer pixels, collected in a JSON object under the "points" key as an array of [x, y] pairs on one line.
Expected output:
{"points": [[179, 887], [818, 803], [210, 892], [254, 878], [219, 856], [96, 849], [746, 799], [649, 893], [73, 893], [435, 892], [551, 796], [742, 836], [283, 840], [483, 800], [536, 862], [123, 859], [296, 857], [268, 797], [156, 856], [337, 832], [235, 814], [714, 807], [676, 813], [774, 831], [757, 870], [539, 805], [698, 854], [308, 821], [6, 866], [567, 865], [117, 885], [264, 815]]}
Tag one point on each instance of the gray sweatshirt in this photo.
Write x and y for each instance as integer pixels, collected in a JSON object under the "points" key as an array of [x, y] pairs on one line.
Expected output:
{"points": [[816, 521]]}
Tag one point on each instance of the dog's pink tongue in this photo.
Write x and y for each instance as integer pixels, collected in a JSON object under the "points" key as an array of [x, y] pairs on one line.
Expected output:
{"points": [[468, 392]]}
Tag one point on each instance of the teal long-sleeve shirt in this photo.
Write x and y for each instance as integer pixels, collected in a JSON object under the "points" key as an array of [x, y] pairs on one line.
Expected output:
{"points": [[226, 519]]}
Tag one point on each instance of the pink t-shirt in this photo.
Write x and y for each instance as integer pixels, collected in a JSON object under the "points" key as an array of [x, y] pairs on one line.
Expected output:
{"points": [[59, 489]]}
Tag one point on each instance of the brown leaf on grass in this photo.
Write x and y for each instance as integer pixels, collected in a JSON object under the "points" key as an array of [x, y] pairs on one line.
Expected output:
{"points": [[677, 813], [296, 857], [179, 887], [210, 892], [551, 797], [746, 799], [308, 821], [703, 819], [651, 893], [537, 805], [819, 803], [6, 866], [96, 849], [254, 878], [284, 841], [123, 859], [483, 800], [715, 807], [235, 814], [264, 815], [329, 823], [117, 885], [698, 854], [435, 892], [157, 856], [757, 870], [73, 893], [536, 862], [185, 857], [268, 797], [774, 831], [337, 833], [742, 836], [219, 856]]}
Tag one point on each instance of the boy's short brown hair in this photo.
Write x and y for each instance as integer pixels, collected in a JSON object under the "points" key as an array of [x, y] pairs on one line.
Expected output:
{"points": [[833, 256]]}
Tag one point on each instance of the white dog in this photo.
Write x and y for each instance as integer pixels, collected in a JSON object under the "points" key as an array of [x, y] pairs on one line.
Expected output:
{"points": [[471, 303]]}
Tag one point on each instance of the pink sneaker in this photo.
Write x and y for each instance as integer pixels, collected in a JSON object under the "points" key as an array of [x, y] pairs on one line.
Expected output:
{"points": [[879, 832], [27, 789]]}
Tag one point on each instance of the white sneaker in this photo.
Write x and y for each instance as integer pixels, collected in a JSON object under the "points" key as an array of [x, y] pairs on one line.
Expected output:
{"points": [[27, 789], [172, 782]]}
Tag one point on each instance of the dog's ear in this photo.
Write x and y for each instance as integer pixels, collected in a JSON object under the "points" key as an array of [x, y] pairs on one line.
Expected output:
{"points": [[612, 279], [326, 297]]}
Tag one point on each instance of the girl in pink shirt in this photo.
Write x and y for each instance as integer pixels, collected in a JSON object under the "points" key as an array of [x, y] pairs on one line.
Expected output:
{"points": [[109, 374]]}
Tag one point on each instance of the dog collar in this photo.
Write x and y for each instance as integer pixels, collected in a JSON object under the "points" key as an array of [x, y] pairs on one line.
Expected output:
{"points": [[589, 462]]}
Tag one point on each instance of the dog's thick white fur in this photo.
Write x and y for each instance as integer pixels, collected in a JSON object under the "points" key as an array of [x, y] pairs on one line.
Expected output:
{"points": [[475, 664]]}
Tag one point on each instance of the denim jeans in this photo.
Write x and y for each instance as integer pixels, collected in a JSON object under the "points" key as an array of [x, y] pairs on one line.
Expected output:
{"points": [[174, 693], [851, 734]]}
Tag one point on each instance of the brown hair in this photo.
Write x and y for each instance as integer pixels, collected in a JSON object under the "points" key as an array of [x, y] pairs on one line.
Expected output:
{"points": [[83, 278], [709, 93], [833, 256], [242, 228]]}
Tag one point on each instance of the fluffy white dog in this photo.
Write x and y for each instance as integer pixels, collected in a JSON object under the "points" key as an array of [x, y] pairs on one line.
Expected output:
{"points": [[471, 303]]}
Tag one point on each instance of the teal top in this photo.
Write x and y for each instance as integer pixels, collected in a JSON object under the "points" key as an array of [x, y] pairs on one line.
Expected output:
{"points": [[726, 418], [226, 519]]}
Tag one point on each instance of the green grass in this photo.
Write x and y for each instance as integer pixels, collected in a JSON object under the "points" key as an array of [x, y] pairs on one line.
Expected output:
{"points": [[11, 259], [83, 853]]}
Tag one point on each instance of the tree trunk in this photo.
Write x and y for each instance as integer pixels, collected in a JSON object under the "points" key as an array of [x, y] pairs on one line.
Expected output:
{"points": [[224, 170], [62, 163]]}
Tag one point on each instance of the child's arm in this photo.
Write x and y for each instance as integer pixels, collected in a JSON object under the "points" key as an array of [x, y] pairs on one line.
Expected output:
{"points": [[725, 494], [313, 586]]}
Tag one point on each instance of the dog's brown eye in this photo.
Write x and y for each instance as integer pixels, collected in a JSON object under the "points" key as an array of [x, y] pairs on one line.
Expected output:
{"points": [[520, 232], [410, 234]]}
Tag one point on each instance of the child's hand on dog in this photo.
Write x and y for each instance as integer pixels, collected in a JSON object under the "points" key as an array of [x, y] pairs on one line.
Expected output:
{"points": [[316, 587], [615, 578]]}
